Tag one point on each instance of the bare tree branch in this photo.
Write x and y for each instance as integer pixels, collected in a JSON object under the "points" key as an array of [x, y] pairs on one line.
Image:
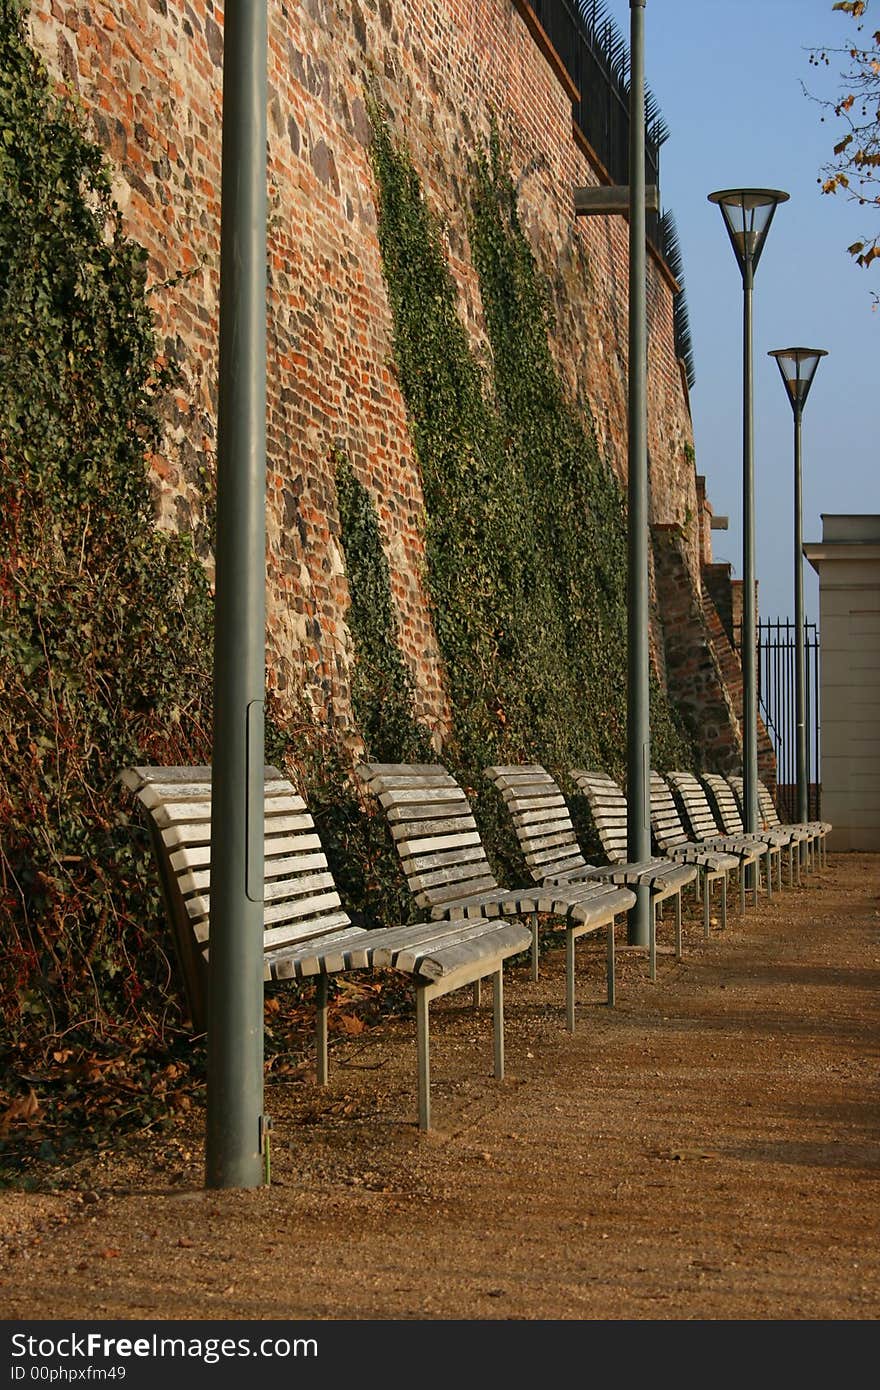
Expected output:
{"points": [[854, 166]]}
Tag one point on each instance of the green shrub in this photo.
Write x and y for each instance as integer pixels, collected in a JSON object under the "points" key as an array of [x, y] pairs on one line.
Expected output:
{"points": [[105, 623]]}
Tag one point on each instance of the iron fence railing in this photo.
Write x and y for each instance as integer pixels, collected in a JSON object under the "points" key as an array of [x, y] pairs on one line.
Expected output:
{"points": [[596, 58], [776, 658]]}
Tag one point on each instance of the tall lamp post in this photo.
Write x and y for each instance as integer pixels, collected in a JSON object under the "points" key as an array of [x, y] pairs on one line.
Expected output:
{"points": [[747, 214], [797, 367], [635, 200], [236, 1130], [638, 737]]}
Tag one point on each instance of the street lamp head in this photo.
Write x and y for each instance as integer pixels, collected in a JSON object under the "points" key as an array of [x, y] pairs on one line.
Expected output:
{"points": [[797, 367], [747, 214]]}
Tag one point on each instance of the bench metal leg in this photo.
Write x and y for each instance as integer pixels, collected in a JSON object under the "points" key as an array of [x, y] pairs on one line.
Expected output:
{"points": [[534, 925], [678, 925], [652, 944], [706, 903], [477, 993], [498, 1022], [424, 1064], [569, 981], [610, 978], [321, 1063], [724, 902], [742, 889]]}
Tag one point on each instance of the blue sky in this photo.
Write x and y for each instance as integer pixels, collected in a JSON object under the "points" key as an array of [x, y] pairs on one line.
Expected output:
{"points": [[727, 76]]}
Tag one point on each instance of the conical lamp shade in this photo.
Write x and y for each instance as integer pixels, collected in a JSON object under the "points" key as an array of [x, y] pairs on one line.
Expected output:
{"points": [[797, 367], [747, 214]]}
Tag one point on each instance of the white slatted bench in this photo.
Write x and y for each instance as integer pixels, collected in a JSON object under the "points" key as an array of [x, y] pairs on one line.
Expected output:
{"points": [[715, 864], [799, 837], [448, 871], [549, 843], [705, 828], [724, 802], [307, 932], [815, 829], [662, 877], [720, 789]]}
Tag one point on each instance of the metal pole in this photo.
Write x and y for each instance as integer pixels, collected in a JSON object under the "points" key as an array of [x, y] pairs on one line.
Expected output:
{"points": [[235, 976], [799, 667], [638, 787], [817, 722], [750, 711], [808, 715]]}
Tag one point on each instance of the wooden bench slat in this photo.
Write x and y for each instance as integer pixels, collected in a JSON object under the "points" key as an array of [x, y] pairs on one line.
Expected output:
{"points": [[414, 829], [305, 929], [428, 845], [415, 796], [416, 865], [451, 876], [524, 819], [200, 832]]}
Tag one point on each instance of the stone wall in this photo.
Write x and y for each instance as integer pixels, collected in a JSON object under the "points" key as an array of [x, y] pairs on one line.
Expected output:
{"points": [[718, 585], [703, 669], [147, 74], [696, 675]]}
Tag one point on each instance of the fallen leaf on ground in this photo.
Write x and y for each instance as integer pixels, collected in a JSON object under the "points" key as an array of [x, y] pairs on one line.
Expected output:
{"points": [[23, 1108], [351, 1024]]}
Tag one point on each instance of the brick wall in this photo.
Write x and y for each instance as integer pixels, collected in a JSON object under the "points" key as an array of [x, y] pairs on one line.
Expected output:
{"points": [[701, 669], [148, 76], [718, 586]]}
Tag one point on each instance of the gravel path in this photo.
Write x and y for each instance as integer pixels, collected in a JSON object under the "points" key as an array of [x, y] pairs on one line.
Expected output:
{"points": [[706, 1150]]}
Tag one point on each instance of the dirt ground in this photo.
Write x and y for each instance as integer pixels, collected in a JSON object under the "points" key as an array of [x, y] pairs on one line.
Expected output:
{"points": [[709, 1149]]}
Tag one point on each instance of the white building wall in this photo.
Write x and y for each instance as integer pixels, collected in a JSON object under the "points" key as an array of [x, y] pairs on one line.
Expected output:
{"points": [[848, 563]]}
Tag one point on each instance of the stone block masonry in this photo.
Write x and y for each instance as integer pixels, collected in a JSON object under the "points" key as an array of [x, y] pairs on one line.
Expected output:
{"points": [[148, 73]]}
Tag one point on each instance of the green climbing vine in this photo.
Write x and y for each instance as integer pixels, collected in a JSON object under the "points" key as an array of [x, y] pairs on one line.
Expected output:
{"points": [[525, 531], [382, 692], [104, 622]]}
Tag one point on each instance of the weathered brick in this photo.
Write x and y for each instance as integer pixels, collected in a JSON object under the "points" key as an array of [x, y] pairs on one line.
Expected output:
{"points": [[148, 76]]}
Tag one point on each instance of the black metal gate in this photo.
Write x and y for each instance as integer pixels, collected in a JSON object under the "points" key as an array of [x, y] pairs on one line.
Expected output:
{"points": [[776, 699]]}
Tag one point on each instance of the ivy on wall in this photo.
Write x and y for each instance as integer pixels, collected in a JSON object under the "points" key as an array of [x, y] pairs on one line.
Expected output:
{"points": [[353, 829], [525, 528], [105, 624], [382, 692]]}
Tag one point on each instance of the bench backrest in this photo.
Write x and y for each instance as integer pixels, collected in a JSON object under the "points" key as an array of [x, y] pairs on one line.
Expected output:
{"points": [[700, 815], [608, 809], [300, 898], [725, 800], [542, 822], [766, 806], [665, 819], [738, 787], [434, 831]]}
